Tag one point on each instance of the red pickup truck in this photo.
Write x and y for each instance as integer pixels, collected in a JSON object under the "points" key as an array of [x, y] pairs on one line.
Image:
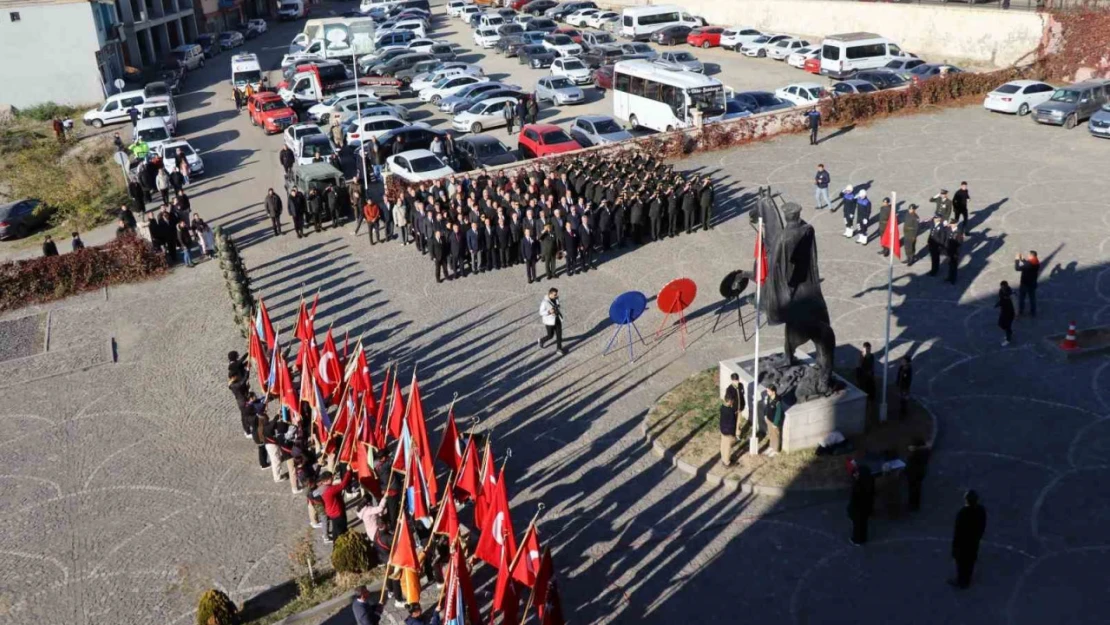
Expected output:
{"points": [[269, 111]]}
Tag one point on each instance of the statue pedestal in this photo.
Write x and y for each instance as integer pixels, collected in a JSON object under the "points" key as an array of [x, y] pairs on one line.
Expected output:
{"points": [[806, 423]]}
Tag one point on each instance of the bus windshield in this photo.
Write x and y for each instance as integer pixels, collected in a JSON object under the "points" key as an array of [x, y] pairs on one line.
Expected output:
{"points": [[709, 100]]}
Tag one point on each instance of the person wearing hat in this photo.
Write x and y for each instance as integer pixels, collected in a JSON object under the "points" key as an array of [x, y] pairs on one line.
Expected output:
{"points": [[884, 221], [938, 240], [910, 224], [705, 199], [863, 215], [848, 203], [952, 247], [943, 203]]}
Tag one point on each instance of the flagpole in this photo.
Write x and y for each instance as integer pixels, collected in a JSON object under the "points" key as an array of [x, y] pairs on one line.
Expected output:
{"points": [[435, 523], [891, 228], [520, 550], [400, 519], [753, 415], [358, 107], [532, 595]]}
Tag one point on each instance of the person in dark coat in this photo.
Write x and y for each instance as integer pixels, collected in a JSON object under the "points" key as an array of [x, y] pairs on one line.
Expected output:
{"points": [[689, 207], [504, 243], [510, 116], [904, 381], [586, 245], [49, 248], [547, 251], [516, 235], [861, 503], [570, 248], [75, 242], [705, 200], [287, 160], [813, 120], [959, 204], [440, 252], [1005, 306], [1029, 268], [521, 113], [728, 429], [865, 372], [971, 523], [127, 217], [457, 246], [365, 610], [938, 241], [884, 219], [672, 210], [335, 205], [943, 204], [489, 252], [137, 194], [475, 246], [952, 249], [655, 214], [298, 209], [316, 208], [605, 226], [916, 465], [910, 225], [533, 109], [529, 252], [636, 219], [273, 209]]}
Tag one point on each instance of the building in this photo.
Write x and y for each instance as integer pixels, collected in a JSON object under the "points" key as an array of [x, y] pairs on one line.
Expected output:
{"points": [[72, 51]]}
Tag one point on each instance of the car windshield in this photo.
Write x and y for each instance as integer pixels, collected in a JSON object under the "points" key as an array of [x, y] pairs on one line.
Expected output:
{"points": [[157, 111], [1066, 95], [305, 131], [248, 77], [477, 109], [492, 148], [425, 164], [489, 32], [573, 64], [683, 57], [765, 99], [154, 134], [865, 88], [603, 38], [817, 92], [1008, 88], [443, 82], [317, 144], [734, 106], [640, 48], [533, 49], [555, 137], [559, 83], [761, 40], [185, 148], [561, 40], [607, 127], [272, 105]]}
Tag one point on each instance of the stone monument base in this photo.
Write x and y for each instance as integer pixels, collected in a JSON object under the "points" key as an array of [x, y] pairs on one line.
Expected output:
{"points": [[806, 423]]}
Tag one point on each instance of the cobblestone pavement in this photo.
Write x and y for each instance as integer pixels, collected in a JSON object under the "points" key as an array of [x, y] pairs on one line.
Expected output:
{"points": [[127, 486]]}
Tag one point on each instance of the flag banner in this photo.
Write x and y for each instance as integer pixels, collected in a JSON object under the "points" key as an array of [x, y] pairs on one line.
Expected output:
{"points": [[526, 563], [505, 599], [448, 522], [468, 483], [403, 555], [459, 599], [497, 531], [891, 238], [263, 326], [328, 373], [450, 448], [418, 428], [396, 411], [760, 269], [487, 484], [258, 357]]}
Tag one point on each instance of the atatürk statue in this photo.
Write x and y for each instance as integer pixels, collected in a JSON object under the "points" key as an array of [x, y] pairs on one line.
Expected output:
{"points": [[791, 295]]}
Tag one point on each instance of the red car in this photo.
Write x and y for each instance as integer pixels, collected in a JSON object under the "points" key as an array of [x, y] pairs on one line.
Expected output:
{"points": [[813, 66], [705, 37], [544, 140], [573, 33], [268, 110], [603, 77]]}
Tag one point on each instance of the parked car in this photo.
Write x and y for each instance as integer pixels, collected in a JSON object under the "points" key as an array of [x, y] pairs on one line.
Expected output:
{"points": [[18, 219], [484, 115], [574, 34], [537, 7], [603, 77], [581, 16], [210, 43], [572, 69], [638, 50], [371, 127], [424, 67], [230, 39], [448, 70], [447, 87], [1099, 124], [421, 44], [508, 29], [760, 101], [544, 139], [400, 62], [705, 37], [484, 95], [417, 166], [486, 38], [1072, 104], [512, 44], [413, 137], [468, 96], [671, 35], [455, 7], [535, 56], [882, 78], [558, 90], [270, 112], [925, 71], [477, 151], [296, 132], [734, 110], [851, 86], [680, 61], [802, 93], [313, 147], [785, 48], [152, 131], [541, 24], [1018, 96], [799, 57], [189, 56], [561, 45], [735, 37], [602, 55], [350, 109], [813, 66], [565, 9], [758, 47], [247, 32], [590, 130], [903, 65], [594, 38], [603, 19]]}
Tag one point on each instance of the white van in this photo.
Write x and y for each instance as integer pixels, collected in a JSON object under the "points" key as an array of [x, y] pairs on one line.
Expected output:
{"points": [[161, 108], [114, 110], [638, 23], [291, 10], [245, 70], [844, 55], [152, 131]]}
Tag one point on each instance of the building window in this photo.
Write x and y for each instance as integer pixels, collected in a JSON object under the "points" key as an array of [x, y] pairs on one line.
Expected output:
{"points": [[14, 15]]}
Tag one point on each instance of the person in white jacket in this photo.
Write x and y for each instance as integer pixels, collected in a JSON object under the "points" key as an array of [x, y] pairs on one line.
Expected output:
{"points": [[401, 221], [552, 317]]}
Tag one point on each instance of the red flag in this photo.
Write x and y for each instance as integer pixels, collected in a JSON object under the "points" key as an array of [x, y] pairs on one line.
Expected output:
{"points": [[396, 411], [366, 475], [258, 357], [308, 361], [450, 451], [418, 429], [553, 607], [497, 531], [263, 326], [760, 269], [329, 374], [487, 485], [403, 554], [505, 599], [458, 592], [379, 423], [890, 238], [448, 522], [283, 386], [545, 583], [346, 451], [418, 488], [468, 483], [527, 560]]}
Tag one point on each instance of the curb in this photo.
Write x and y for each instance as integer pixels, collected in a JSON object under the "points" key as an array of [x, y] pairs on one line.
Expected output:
{"points": [[327, 606]]}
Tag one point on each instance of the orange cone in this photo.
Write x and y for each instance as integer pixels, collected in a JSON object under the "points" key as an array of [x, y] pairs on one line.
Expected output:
{"points": [[1069, 339]]}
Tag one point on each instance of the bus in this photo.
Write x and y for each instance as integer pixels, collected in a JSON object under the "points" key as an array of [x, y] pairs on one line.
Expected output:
{"points": [[638, 23], [649, 96]]}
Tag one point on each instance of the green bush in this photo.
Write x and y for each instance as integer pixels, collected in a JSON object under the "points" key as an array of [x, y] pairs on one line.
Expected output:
{"points": [[216, 608], [49, 110], [353, 553]]}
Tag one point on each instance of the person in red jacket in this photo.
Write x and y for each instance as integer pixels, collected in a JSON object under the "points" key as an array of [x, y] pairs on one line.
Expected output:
{"points": [[334, 506]]}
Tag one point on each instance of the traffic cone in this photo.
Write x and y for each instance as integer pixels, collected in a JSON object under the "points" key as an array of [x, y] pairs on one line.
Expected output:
{"points": [[1069, 339]]}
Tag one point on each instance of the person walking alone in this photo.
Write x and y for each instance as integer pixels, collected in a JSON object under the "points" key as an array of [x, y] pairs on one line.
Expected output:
{"points": [[971, 524], [959, 204], [1005, 306], [916, 465], [273, 209], [860, 504], [813, 117], [551, 315], [287, 159], [821, 187], [1029, 268]]}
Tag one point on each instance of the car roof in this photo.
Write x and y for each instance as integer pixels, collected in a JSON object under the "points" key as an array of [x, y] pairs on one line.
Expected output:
{"points": [[176, 143], [541, 127], [594, 118], [805, 85], [478, 139], [266, 96], [155, 122], [501, 98], [1024, 83], [319, 170], [855, 82], [859, 36], [379, 118], [411, 154]]}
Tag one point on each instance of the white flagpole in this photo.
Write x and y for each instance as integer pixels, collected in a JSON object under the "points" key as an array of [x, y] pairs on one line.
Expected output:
{"points": [[891, 232], [362, 142], [753, 442]]}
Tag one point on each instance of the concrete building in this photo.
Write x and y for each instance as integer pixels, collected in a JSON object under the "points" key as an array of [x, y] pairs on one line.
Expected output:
{"points": [[72, 51]]}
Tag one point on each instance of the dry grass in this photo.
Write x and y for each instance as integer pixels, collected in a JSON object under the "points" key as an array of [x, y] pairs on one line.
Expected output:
{"points": [[685, 421]]}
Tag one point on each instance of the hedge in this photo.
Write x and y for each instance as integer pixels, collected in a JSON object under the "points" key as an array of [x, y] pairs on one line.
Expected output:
{"points": [[44, 279]]}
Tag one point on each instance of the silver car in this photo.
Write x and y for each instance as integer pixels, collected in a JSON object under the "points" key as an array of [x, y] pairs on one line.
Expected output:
{"points": [[559, 90], [679, 61], [597, 130]]}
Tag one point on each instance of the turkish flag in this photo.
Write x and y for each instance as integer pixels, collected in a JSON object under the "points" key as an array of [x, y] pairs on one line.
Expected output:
{"points": [[497, 531], [890, 238], [505, 599], [448, 522], [459, 600], [305, 329], [366, 475], [417, 494], [403, 554], [545, 582], [450, 451], [760, 269], [396, 411], [418, 429], [487, 485], [467, 484], [379, 422], [553, 606], [328, 373], [527, 561], [261, 365], [263, 326], [283, 387]]}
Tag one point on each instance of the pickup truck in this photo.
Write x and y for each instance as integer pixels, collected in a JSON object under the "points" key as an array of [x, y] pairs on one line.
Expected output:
{"points": [[306, 88]]}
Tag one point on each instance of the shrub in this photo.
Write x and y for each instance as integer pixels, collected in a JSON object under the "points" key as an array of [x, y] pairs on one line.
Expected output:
{"points": [[47, 111], [353, 553], [216, 608], [127, 259]]}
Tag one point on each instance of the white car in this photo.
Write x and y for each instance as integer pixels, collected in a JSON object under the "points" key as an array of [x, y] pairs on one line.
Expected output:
{"points": [[421, 45], [258, 26], [169, 149], [600, 19], [348, 109], [417, 166], [758, 46], [374, 126], [296, 132], [1018, 96], [784, 48], [573, 69], [468, 11], [321, 113], [735, 37], [579, 18], [561, 45], [423, 81], [455, 7], [486, 37], [802, 93], [310, 145], [798, 58], [416, 26], [483, 115], [298, 58], [447, 87]]}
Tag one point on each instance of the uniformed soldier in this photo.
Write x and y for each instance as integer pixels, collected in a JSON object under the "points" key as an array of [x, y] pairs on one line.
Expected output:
{"points": [[944, 205], [705, 199], [938, 241], [910, 224]]}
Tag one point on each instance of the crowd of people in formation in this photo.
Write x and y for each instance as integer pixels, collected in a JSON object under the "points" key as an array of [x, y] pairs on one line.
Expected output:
{"points": [[316, 209], [577, 211]]}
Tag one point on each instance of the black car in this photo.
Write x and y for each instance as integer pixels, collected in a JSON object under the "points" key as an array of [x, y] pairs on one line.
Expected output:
{"points": [[476, 151], [671, 35], [566, 8], [542, 25], [535, 56], [537, 7], [18, 219], [760, 101], [407, 138], [246, 31], [513, 43], [882, 78], [602, 55], [210, 44], [400, 62], [508, 30]]}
